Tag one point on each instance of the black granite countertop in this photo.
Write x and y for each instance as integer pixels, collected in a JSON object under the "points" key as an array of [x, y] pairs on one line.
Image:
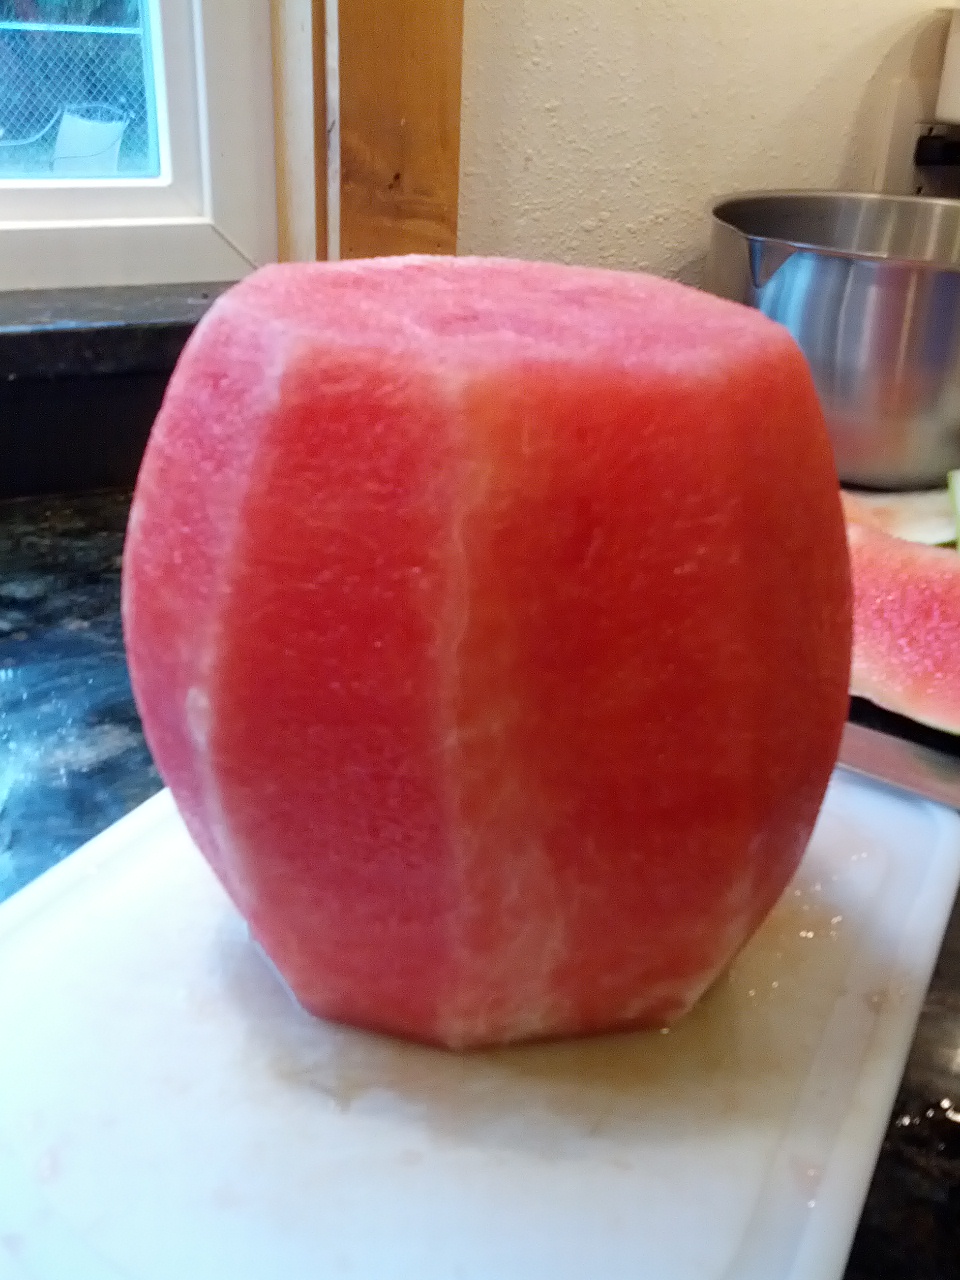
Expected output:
{"points": [[82, 375], [52, 333], [73, 760], [72, 755]]}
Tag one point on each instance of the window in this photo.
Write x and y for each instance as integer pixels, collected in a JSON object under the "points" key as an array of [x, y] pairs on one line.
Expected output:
{"points": [[136, 141], [78, 89]]}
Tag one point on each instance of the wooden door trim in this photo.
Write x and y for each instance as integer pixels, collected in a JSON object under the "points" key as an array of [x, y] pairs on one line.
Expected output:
{"points": [[400, 78]]}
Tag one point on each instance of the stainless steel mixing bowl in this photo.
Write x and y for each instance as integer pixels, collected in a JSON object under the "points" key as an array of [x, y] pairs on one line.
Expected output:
{"points": [[869, 286]]}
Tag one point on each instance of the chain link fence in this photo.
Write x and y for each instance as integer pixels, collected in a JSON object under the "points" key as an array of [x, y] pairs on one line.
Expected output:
{"points": [[51, 75]]}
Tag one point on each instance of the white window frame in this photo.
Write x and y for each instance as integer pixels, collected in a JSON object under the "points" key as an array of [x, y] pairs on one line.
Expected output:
{"points": [[211, 214]]}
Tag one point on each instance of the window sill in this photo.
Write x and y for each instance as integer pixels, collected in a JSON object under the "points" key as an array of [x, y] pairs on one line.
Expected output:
{"points": [[82, 373], [49, 333]]}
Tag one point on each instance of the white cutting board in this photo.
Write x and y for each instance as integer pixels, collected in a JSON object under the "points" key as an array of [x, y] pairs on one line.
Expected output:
{"points": [[166, 1110]]}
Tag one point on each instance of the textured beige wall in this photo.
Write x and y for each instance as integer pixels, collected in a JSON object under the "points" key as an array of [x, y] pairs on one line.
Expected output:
{"points": [[600, 131]]}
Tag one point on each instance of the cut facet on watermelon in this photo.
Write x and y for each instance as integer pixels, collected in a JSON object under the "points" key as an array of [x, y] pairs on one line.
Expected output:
{"points": [[906, 642], [473, 631]]}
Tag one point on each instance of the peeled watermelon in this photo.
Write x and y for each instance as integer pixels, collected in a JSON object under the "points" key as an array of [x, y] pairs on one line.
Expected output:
{"points": [[490, 623], [906, 645]]}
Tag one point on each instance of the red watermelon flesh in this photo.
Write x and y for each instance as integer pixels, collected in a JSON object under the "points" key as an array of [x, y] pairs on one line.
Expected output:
{"points": [[906, 645], [473, 628]]}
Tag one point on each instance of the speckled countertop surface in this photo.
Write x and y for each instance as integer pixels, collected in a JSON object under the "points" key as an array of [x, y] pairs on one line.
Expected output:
{"points": [[72, 756], [73, 760]]}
